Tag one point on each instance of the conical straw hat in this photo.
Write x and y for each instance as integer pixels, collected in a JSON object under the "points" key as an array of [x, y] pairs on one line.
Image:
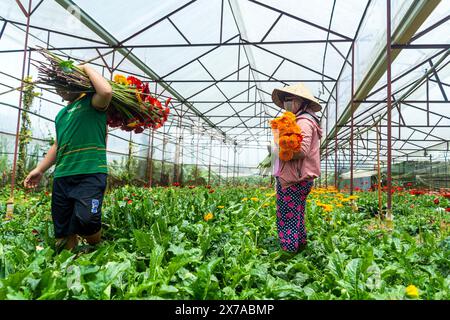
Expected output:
{"points": [[297, 90]]}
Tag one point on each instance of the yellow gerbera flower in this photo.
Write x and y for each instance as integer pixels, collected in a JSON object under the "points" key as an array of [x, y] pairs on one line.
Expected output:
{"points": [[120, 79], [208, 216], [220, 207], [254, 199], [412, 291], [245, 199], [266, 205]]}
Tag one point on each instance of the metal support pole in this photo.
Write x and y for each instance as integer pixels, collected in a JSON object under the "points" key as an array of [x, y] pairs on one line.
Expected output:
{"points": [[431, 175], [151, 159], [234, 166], [181, 144], [162, 158], [352, 118], [237, 168], [130, 147], [326, 166], [196, 156], [209, 164], [335, 143], [176, 169], [389, 216], [380, 206], [148, 158], [428, 97], [16, 145], [228, 163], [220, 163]]}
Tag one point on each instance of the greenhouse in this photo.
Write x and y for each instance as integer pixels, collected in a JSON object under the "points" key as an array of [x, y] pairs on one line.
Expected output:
{"points": [[225, 150]]}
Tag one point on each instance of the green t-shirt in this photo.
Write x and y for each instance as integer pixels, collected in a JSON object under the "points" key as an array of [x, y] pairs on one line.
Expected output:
{"points": [[81, 138]]}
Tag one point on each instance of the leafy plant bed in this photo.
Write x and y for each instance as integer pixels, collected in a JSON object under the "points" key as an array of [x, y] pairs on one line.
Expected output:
{"points": [[200, 243]]}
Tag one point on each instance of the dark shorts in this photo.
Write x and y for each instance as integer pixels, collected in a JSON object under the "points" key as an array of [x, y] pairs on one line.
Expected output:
{"points": [[77, 204]]}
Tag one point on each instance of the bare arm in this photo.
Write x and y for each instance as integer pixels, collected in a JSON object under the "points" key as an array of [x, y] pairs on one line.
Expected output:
{"points": [[35, 176], [103, 90]]}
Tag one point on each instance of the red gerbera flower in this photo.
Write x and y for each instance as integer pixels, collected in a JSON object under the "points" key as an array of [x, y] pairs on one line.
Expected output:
{"points": [[134, 81]]}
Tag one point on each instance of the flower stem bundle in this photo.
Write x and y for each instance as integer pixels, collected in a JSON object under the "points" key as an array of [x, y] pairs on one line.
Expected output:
{"points": [[132, 107], [287, 135]]}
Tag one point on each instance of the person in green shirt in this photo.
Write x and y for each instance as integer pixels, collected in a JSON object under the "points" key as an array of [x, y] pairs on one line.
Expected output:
{"points": [[79, 154]]}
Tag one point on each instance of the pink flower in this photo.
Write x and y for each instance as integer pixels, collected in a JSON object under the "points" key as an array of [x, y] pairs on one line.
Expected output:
{"points": [[282, 223], [289, 215], [289, 231], [278, 196], [291, 205], [281, 234], [294, 188], [299, 207], [278, 214], [284, 248], [296, 236], [296, 245], [287, 198], [298, 224], [289, 241], [303, 183]]}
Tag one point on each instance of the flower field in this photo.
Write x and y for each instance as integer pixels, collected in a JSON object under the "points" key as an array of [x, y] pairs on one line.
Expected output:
{"points": [[201, 243]]}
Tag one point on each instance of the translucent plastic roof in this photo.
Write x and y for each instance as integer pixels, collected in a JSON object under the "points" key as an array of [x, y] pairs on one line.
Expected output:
{"points": [[221, 59]]}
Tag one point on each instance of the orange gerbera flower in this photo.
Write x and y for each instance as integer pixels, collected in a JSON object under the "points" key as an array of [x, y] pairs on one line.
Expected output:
{"points": [[284, 142], [286, 154], [287, 134], [292, 142]]}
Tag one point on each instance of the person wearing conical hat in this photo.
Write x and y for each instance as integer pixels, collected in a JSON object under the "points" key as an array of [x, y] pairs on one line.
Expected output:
{"points": [[294, 178]]}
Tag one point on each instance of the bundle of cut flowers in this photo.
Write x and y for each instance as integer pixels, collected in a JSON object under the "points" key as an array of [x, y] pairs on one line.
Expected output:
{"points": [[287, 135], [132, 107]]}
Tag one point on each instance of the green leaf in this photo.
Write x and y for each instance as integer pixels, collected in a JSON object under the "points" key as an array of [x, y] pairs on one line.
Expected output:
{"points": [[67, 66]]}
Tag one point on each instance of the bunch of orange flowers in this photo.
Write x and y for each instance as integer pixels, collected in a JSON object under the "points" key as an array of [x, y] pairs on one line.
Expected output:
{"points": [[287, 135]]}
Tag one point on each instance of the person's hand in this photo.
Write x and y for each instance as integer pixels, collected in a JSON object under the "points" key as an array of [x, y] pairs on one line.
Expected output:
{"points": [[81, 67], [33, 179]]}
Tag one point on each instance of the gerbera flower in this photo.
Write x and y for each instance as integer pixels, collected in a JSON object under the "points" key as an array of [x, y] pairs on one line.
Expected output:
{"points": [[120, 79], [286, 155], [208, 216], [412, 291]]}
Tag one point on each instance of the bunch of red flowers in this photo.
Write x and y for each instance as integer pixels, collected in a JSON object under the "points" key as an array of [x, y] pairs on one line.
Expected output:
{"points": [[149, 114]]}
